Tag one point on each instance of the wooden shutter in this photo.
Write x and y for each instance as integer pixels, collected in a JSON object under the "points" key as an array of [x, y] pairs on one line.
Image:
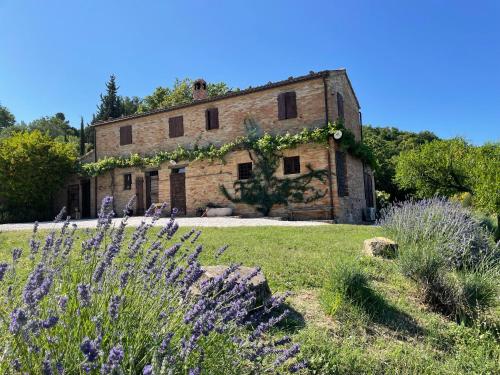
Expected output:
{"points": [[125, 135], [291, 104], [291, 165], [340, 105], [341, 169], [175, 126], [212, 118], [282, 106]]}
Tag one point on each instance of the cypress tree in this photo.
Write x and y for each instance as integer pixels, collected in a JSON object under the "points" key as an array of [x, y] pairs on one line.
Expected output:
{"points": [[110, 106], [82, 137]]}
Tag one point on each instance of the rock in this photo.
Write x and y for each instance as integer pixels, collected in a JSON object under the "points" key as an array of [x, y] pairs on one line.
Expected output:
{"points": [[380, 246], [258, 282]]}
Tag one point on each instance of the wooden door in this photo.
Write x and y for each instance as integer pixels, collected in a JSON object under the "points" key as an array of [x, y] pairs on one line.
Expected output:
{"points": [[85, 198], [178, 190], [139, 195]]}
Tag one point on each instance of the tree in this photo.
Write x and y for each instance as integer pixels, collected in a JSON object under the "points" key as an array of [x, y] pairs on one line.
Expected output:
{"points": [[386, 144], [7, 119], [33, 166], [110, 106], [54, 126], [264, 189], [180, 93], [449, 167], [130, 105], [82, 137]]}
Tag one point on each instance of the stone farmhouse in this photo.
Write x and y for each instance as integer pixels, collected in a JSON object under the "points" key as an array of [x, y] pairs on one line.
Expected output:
{"points": [[286, 106]]}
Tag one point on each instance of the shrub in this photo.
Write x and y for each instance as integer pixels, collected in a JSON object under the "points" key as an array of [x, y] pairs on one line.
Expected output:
{"points": [[448, 253], [112, 305], [446, 225]]}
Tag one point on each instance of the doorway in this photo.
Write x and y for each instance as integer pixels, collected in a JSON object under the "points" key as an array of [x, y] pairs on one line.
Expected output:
{"points": [[73, 201], [85, 198], [178, 190], [139, 194], [152, 188]]}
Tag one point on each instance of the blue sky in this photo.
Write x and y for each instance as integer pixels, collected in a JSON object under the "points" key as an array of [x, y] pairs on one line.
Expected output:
{"points": [[414, 65]]}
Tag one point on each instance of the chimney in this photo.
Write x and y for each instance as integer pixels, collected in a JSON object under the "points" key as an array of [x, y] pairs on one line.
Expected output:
{"points": [[199, 89]]}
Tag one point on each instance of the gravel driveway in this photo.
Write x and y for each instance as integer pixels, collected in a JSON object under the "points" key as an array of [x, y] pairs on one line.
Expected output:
{"points": [[183, 222]]}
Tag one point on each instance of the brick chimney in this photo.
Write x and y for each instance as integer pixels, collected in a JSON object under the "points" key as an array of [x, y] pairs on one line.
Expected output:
{"points": [[199, 89]]}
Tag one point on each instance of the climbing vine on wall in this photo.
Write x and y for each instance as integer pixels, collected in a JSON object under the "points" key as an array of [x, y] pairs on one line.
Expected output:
{"points": [[267, 142]]}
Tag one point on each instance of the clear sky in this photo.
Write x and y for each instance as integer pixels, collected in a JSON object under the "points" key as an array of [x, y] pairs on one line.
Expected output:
{"points": [[414, 64]]}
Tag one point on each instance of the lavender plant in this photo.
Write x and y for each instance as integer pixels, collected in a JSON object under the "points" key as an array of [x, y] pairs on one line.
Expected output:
{"points": [[101, 302], [449, 227]]}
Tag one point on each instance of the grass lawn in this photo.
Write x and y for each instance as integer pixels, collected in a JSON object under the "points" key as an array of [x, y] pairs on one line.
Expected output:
{"points": [[405, 338]]}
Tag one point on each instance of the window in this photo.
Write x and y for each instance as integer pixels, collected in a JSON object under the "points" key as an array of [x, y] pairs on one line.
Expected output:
{"points": [[340, 105], [244, 171], [341, 168], [287, 105], [125, 135], [175, 126], [212, 118], [127, 181], [291, 165]]}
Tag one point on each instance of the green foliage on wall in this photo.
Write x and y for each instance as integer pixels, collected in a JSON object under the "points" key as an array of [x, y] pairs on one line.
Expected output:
{"points": [[211, 152]]}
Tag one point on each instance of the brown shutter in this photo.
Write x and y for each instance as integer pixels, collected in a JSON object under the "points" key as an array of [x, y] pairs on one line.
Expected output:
{"points": [[291, 104], [341, 169], [175, 126], [125, 135], [340, 105], [212, 118], [281, 106]]}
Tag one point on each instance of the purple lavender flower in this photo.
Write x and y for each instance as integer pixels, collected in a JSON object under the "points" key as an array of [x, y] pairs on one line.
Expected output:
{"points": [[60, 368], [89, 349], [50, 322], [62, 302], [221, 251], [83, 294], [195, 371], [47, 366], [37, 286], [124, 279], [287, 354], [115, 357], [147, 370], [3, 270], [18, 319], [16, 364], [16, 254], [113, 307], [296, 367]]}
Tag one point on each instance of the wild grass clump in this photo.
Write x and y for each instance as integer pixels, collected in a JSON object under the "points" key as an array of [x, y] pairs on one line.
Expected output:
{"points": [[98, 302], [347, 287], [448, 253]]}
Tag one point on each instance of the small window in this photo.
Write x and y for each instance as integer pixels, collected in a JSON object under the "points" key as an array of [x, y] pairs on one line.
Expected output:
{"points": [[340, 105], [127, 181], [175, 127], [291, 165], [125, 135], [287, 105], [341, 169], [244, 171], [212, 118]]}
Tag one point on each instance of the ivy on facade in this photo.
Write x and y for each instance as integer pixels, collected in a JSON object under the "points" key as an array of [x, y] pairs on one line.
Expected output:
{"points": [[266, 143]]}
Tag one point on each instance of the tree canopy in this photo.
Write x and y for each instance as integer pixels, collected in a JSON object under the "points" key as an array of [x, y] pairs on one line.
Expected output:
{"points": [[449, 167], [6, 118], [386, 144], [33, 166]]}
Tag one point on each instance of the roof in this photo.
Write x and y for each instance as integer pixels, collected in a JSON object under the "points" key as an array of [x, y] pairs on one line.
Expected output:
{"points": [[231, 94]]}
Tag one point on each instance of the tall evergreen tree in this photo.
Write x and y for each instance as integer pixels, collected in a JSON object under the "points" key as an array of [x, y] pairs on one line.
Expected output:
{"points": [[110, 106], [82, 137]]}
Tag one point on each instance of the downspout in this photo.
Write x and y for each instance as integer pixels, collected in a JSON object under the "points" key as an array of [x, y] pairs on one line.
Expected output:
{"points": [[95, 178], [327, 120]]}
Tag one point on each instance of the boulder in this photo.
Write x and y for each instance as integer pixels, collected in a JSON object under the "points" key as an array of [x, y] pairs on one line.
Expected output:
{"points": [[258, 282], [380, 246]]}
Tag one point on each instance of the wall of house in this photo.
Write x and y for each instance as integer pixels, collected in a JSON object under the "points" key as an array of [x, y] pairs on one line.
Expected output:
{"points": [[150, 134]]}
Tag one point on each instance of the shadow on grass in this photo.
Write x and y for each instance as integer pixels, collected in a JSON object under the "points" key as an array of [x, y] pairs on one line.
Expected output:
{"points": [[387, 315]]}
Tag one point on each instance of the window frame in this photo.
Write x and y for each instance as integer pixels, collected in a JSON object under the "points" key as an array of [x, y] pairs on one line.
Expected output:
{"points": [[287, 105], [212, 118], [245, 165], [291, 165], [127, 181]]}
